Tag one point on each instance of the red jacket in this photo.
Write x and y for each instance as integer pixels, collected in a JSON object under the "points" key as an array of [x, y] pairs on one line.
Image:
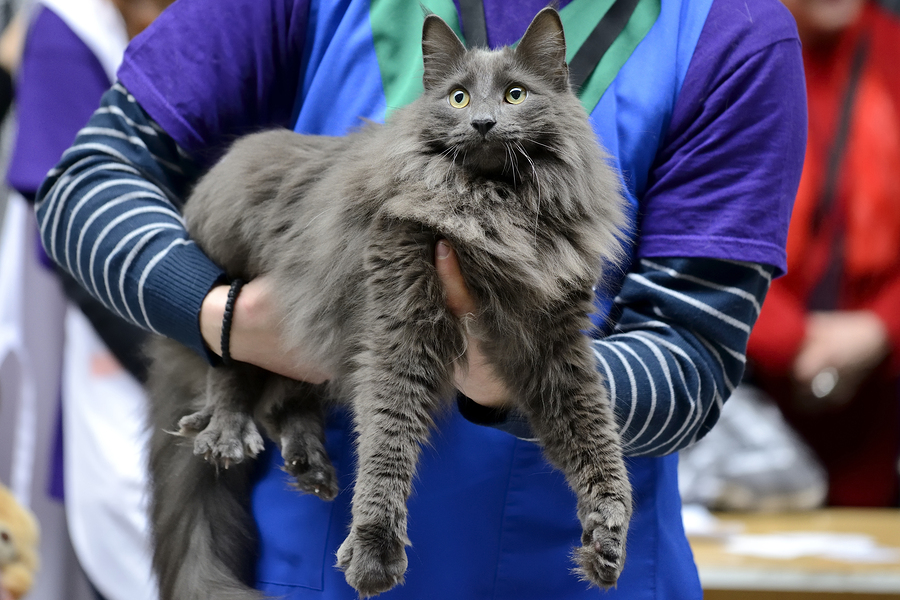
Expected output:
{"points": [[858, 443]]}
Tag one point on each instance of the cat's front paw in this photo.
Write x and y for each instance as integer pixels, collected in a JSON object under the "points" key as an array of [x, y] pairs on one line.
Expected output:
{"points": [[373, 559], [223, 437], [602, 554]]}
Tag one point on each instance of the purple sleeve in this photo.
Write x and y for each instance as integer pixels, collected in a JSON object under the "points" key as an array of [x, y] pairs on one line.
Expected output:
{"points": [[58, 88], [239, 71], [724, 181]]}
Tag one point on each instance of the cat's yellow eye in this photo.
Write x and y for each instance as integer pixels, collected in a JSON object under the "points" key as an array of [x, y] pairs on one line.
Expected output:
{"points": [[515, 94], [459, 98]]}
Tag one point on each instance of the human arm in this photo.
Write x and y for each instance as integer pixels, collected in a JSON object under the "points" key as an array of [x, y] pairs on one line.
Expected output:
{"points": [[699, 411], [720, 192], [109, 215]]}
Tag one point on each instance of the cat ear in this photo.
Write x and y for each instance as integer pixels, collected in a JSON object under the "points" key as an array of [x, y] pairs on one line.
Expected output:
{"points": [[441, 50], [543, 47]]}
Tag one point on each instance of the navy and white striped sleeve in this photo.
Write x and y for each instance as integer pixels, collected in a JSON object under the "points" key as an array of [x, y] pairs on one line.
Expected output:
{"points": [[109, 213], [675, 354], [678, 347]]}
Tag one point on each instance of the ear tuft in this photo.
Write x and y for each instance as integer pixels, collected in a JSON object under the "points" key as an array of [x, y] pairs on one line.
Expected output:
{"points": [[543, 47], [441, 50]]}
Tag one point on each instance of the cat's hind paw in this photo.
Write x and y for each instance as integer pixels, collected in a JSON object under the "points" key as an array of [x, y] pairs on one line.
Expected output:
{"points": [[227, 438], [373, 560], [306, 459], [602, 555]]}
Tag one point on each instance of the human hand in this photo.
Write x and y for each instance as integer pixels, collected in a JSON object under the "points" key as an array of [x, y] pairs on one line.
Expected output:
{"points": [[256, 328], [844, 344], [479, 381]]}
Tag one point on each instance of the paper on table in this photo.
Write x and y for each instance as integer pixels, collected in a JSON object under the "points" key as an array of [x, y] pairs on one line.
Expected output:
{"points": [[699, 522], [847, 547]]}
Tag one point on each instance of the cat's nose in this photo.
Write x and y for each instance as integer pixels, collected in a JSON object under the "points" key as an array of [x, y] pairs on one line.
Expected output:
{"points": [[483, 125]]}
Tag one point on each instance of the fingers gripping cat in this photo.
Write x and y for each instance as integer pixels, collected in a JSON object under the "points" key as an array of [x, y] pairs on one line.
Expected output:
{"points": [[498, 157]]}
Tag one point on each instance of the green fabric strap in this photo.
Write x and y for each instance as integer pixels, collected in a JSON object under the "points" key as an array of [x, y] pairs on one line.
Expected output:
{"points": [[400, 56]]}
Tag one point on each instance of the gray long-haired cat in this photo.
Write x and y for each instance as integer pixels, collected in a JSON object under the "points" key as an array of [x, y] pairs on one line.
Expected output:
{"points": [[497, 157]]}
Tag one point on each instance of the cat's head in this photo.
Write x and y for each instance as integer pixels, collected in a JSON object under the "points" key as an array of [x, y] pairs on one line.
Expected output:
{"points": [[494, 111]]}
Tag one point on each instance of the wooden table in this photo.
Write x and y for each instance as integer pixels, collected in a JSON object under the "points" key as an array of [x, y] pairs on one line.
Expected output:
{"points": [[729, 576]]}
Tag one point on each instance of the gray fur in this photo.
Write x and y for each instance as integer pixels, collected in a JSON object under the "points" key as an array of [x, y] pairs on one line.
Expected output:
{"points": [[346, 229]]}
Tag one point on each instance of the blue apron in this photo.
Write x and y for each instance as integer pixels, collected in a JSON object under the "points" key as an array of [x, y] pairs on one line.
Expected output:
{"points": [[489, 517]]}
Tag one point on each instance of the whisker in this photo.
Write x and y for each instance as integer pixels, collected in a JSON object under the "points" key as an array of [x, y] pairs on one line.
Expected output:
{"points": [[511, 157], [541, 144], [537, 208], [452, 166]]}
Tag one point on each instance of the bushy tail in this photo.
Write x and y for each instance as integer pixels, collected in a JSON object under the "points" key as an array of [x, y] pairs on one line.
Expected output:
{"points": [[204, 537]]}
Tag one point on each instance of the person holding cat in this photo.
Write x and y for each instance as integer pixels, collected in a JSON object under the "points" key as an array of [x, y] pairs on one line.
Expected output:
{"points": [[701, 106]]}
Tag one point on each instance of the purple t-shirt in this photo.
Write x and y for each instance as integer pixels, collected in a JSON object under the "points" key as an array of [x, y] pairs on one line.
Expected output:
{"points": [[741, 111], [58, 87], [719, 187]]}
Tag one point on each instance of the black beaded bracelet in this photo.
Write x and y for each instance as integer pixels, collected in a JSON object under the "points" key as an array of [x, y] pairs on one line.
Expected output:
{"points": [[233, 292]]}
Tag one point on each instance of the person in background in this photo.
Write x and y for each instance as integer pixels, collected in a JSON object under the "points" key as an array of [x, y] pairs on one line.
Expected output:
{"points": [[710, 155], [827, 343], [71, 52]]}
